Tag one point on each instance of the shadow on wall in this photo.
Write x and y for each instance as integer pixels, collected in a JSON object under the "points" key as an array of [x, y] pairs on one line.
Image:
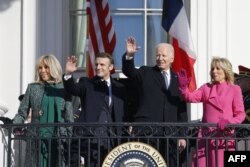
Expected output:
{"points": [[5, 4]]}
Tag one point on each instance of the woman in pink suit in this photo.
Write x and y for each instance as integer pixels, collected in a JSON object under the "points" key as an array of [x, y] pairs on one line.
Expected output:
{"points": [[222, 104]]}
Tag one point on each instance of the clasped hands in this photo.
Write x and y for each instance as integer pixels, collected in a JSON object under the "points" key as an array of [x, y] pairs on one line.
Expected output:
{"points": [[19, 131]]}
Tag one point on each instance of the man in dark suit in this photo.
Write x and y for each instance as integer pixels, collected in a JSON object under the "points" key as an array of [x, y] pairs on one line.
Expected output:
{"points": [[159, 97], [103, 100]]}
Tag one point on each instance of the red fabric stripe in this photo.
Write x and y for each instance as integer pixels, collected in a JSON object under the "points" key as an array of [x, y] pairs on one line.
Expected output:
{"points": [[92, 35], [90, 70], [183, 61], [112, 45], [102, 14], [87, 8], [109, 46]]}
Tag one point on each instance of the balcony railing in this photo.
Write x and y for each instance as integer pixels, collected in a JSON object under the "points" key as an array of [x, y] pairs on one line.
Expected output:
{"points": [[88, 144]]}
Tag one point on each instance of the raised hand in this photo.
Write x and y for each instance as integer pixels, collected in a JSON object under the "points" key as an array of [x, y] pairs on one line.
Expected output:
{"points": [[131, 46], [183, 80], [71, 65]]}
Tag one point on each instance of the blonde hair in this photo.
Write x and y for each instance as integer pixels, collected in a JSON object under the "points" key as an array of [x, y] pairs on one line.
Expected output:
{"points": [[225, 65], [54, 67]]}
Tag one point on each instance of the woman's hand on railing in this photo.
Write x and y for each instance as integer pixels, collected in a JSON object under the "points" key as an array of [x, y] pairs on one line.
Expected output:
{"points": [[19, 131], [222, 123]]}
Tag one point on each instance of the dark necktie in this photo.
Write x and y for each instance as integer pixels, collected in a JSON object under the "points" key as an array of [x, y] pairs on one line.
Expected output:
{"points": [[164, 73], [107, 98]]}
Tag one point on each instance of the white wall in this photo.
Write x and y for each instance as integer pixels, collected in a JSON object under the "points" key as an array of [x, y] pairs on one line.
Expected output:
{"points": [[238, 34], [10, 53]]}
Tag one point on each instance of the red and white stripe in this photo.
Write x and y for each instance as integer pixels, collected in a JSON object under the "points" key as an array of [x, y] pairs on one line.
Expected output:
{"points": [[180, 30], [101, 33], [185, 55]]}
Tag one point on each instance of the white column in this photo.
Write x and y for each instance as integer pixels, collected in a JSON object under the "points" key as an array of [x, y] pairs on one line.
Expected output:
{"points": [[10, 54], [29, 42]]}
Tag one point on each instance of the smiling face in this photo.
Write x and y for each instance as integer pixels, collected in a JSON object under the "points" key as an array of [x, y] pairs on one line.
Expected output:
{"points": [[218, 74], [49, 69], [164, 56], [221, 70], [103, 67], [44, 72]]}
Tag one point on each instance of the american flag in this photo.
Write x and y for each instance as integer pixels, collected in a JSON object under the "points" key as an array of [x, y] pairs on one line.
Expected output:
{"points": [[174, 21], [101, 32]]}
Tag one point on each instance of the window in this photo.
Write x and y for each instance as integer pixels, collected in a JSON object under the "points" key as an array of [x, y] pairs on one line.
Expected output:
{"points": [[78, 31], [138, 18]]}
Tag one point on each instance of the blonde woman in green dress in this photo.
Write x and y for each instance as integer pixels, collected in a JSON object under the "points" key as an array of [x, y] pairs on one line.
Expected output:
{"points": [[49, 103]]}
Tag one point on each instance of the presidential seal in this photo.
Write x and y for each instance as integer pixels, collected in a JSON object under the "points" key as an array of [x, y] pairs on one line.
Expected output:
{"points": [[134, 154]]}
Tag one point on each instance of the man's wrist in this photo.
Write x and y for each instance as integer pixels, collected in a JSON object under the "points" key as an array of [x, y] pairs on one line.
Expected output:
{"points": [[129, 57], [67, 76]]}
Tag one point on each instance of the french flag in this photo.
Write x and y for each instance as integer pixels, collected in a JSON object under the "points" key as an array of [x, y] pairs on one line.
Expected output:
{"points": [[174, 21]]}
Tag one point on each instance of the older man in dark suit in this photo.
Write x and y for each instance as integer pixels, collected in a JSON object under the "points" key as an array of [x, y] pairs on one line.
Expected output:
{"points": [[159, 97], [103, 100]]}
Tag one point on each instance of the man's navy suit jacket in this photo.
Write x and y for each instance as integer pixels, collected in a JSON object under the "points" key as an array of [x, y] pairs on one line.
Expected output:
{"points": [[92, 93], [156, 103]]}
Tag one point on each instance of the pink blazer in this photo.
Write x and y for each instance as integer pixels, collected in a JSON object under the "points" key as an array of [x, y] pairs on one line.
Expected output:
{"points": [[219, 101]]}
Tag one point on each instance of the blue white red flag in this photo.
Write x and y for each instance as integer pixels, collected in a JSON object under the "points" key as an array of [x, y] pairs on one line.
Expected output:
{"points": [[174, 21]]}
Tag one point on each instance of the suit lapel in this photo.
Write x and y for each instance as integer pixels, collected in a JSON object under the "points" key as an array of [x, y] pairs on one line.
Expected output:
{"points": [[158, 77], [173, 80], [115, 90]]}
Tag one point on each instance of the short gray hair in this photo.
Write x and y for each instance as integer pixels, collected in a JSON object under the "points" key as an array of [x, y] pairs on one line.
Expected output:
{"points": [[167, 46]]}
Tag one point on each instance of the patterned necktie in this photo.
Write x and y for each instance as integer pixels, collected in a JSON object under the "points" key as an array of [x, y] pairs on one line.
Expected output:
{"points": [[165, 75]]}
